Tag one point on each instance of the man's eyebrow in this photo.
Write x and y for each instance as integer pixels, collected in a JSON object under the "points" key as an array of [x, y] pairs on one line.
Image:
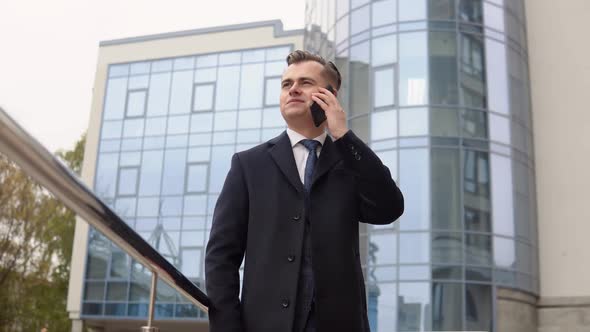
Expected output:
{"points": [[304, 78]]}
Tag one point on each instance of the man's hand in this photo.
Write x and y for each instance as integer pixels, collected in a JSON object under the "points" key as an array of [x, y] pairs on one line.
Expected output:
{"points": [[336, 117]]}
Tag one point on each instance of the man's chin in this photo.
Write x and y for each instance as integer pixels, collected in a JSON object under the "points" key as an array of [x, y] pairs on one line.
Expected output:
{"points": [[295, 112]]}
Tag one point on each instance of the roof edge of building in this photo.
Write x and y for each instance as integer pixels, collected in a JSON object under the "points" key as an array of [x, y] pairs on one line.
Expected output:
{"points": [[277, 24]]}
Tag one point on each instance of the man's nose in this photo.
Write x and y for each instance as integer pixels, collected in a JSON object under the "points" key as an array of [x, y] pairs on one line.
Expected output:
{"points": [[294, 90]]}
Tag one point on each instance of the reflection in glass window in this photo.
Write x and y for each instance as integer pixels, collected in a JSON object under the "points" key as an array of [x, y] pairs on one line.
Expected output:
{"points": [[414, 306], [342, 29], [197, 177], [106, 174], [178, 124], [125, 206], [359, 20], [136, 103], [182, 92], [191, 262], [253, 56], [384, 50], [382, 307], [471, 65], [252, 86], [203, 97], [504, 253], [493, 17], [410, 10], [273, 91], [249, 119], [228, 88], [383, 125], [502, 202], [272, 117], [118, 70], [206, 75], [384, 12], [195, 204], [174, 168], [133, 128], [201, 122], [111, 129], [147, 207], [443, 68], [184, 63], [478, 307], [470, 11], [138, 82], [225, 121], [413, 122], [151, 171], [474, 124], [389, 159], [497, 76], [383, 249], [446, 191], [220, 165], [209, 60], [414, 181], [444, 122], [414, 247], [499, 128], [359, 53], [172, 206], [384, 87], [159, 92], [114, 105], [413, 68], [274, 68], [94, 291], [229, 58], [478, 249], [446, 300], [277, 53], [128, 181], [441, 9], [155, 126]]}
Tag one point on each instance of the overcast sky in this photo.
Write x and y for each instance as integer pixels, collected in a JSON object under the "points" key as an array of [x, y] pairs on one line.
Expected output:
{"points": [[49, 49]]}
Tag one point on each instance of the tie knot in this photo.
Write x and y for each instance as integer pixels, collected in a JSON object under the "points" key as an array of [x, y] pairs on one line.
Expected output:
{"points": [[310, 144]]}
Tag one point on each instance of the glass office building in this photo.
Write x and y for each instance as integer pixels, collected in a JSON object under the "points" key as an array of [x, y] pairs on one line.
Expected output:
{"points": [[438, 88], [440, 91], [169, 129]]}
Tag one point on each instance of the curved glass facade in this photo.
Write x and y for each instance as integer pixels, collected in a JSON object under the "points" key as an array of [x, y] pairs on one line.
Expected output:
{"points": [[440, 91]]}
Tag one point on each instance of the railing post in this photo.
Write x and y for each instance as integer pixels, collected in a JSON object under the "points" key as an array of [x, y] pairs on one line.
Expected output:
{"points": [[149, 327]]}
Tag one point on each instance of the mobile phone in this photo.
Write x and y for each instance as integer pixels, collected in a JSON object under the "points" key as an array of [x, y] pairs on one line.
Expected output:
{"points": [[317, 113]]}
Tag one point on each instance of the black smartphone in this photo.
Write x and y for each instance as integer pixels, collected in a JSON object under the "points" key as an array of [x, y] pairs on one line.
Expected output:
{"points": [[317, 113]]}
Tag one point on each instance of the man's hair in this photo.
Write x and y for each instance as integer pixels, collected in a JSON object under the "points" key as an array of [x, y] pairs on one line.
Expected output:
{"points": [[330, 71]]}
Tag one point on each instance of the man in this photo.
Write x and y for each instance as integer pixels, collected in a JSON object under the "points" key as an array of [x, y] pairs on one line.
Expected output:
{"points": [[295, 217]]}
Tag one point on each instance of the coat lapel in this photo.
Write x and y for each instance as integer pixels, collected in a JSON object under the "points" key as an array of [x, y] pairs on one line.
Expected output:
{"points": [[329, 156], [282, 154]]}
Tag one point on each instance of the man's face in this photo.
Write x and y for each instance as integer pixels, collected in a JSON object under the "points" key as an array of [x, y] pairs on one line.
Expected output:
{"points": [[299, 81]]}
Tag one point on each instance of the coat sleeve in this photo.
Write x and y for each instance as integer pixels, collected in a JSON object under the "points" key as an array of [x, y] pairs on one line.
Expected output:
{"points": [[225, 251], [380, 200]]}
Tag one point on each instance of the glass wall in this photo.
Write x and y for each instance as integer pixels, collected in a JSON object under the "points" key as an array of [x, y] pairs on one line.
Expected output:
{"points": [[440, 91], [169, 129]]}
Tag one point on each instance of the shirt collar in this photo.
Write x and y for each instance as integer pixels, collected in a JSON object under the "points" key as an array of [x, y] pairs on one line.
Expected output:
{"points": [[296, 137]]}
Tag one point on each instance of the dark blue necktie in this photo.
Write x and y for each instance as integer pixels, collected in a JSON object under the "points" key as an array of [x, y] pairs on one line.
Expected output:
{"points": [[311, 146]]}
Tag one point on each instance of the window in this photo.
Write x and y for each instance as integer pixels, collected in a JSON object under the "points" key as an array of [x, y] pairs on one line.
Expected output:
{"points": [[272, 91], [197, 177], [203, 97], [136, 103], [384, 87], [128, 177]]}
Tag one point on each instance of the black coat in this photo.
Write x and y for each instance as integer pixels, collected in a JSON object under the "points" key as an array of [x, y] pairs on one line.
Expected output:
{"points": [[260, 213]]}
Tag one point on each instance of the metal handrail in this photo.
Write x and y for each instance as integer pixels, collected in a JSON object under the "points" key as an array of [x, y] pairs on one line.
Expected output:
{"points": [[52, 174]]}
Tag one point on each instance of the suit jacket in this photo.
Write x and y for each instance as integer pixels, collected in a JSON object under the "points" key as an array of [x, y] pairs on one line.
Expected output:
{"points": [[260, 213]]}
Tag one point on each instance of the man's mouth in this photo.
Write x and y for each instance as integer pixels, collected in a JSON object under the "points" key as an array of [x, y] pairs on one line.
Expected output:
{"points": [[295, 101]]}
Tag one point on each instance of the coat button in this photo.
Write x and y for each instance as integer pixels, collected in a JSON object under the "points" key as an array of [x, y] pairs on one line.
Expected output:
{"points": [[351, 147], [357, 156], [291, 258], [297, 217], [285, 303]]}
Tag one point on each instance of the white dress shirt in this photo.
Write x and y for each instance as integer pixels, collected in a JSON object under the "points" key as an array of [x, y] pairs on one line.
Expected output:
{"points": [[300, 152]]}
